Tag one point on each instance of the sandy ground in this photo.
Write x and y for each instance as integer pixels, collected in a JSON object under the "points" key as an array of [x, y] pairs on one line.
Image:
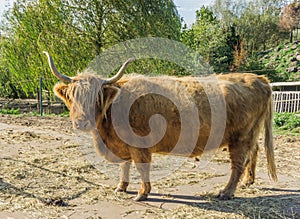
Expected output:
{"points": [[48, 171]]}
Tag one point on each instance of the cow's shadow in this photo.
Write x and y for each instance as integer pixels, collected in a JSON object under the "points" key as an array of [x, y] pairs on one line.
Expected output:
{"points": [[263, 206]]}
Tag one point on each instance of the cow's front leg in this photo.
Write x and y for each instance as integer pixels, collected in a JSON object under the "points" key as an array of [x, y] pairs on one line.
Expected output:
{"points": [[124, 177], [142, 159]]}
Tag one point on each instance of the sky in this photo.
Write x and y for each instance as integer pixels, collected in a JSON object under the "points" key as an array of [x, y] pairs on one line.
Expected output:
{"points": [[186, 8], [3, 4]]}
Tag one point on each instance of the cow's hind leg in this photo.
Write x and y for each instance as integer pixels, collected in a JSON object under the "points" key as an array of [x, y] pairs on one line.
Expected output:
{"points": [[144, 170], [124, 177], [238, 154], [249, 173]]}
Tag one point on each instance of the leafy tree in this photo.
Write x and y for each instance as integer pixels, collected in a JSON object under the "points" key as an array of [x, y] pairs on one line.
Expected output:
{"points": [[256, 21], [74, 32], [231, 31], [214, 42], [290, 18], [32, 28], [107, 22]]}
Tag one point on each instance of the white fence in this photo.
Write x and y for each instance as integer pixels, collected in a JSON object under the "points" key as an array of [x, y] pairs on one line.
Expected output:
{"points": [[286, 101]]}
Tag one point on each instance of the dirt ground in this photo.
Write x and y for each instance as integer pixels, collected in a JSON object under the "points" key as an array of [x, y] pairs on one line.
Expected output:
{"points": [[48, 171]]}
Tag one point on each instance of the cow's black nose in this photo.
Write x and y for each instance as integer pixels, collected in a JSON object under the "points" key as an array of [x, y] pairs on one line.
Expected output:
{"points": [[84, 125]]}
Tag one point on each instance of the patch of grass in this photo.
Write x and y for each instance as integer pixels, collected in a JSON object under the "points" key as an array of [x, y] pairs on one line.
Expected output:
{"points": [[293, 133], [33, 113], [65, 114], [10, 111], [287, 121]]}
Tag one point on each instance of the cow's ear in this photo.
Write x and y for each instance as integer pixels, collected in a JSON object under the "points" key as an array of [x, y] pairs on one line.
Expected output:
{"points": [[109, 94], [60, 91]]}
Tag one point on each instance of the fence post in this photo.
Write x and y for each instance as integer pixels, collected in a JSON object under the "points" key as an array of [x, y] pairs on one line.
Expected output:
{"points": [[41, 96]]}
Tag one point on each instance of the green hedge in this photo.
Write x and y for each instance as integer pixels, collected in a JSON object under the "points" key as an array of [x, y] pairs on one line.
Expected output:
{"points": [[287, 121]]}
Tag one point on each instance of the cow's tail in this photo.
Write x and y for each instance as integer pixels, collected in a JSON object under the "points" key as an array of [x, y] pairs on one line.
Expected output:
{"points": [[269, 146]]}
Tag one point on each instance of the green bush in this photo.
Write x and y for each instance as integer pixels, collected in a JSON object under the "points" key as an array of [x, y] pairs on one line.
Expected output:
{"points": [[287, 121]]}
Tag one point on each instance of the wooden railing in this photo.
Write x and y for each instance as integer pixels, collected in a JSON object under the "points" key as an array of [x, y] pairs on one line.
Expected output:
{"points": [[33, 106]]}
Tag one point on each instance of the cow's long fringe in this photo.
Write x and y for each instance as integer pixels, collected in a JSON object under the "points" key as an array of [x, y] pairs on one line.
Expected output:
{"points": [[89, 93], [269, 145]]}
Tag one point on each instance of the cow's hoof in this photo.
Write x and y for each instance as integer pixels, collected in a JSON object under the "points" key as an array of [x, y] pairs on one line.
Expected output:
{"points": [[141, 197], [223, 196], [120, 190], [246, 183]]}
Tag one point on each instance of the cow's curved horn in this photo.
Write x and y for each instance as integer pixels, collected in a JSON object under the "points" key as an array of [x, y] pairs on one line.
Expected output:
{"points": [[120, 73], [54, 70]]}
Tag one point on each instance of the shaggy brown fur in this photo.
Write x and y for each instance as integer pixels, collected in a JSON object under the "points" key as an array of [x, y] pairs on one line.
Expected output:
{"points": [[248, 107]]}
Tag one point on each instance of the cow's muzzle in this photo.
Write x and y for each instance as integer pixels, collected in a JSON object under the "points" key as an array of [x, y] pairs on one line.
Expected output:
{"points": [[83, 125]]}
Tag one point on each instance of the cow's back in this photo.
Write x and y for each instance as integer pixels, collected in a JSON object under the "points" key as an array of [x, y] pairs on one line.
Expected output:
{"points": [[246, 96]]}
